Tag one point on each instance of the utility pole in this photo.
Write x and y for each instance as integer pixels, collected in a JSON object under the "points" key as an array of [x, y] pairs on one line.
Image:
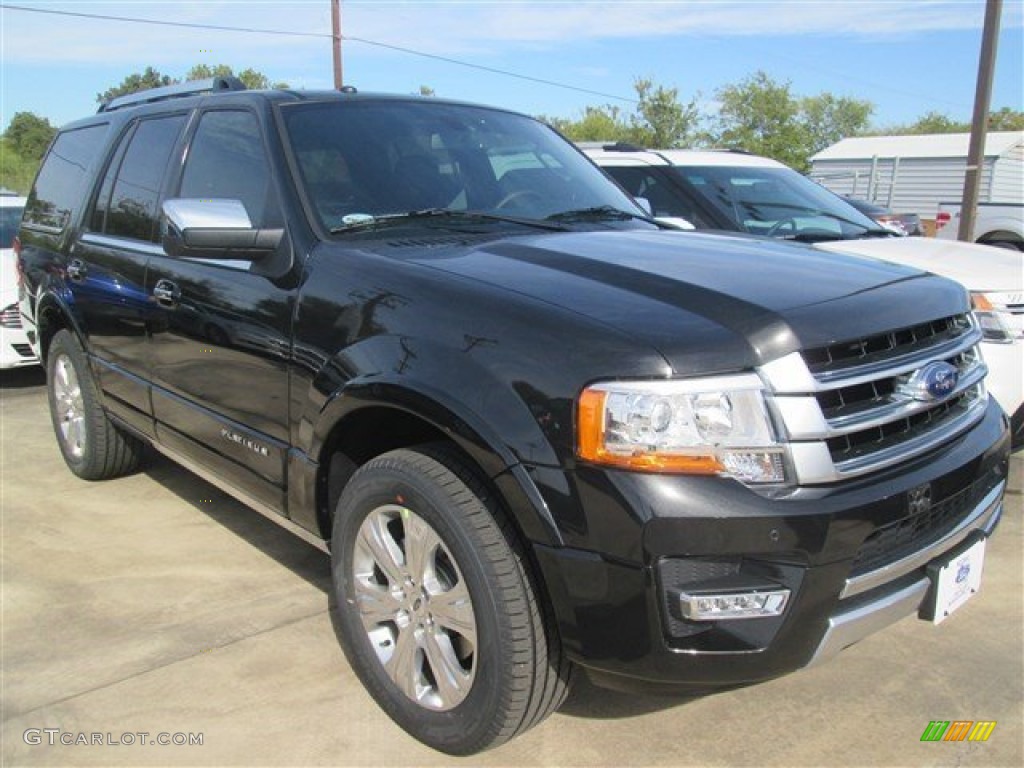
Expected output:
{"points": [[336, 42], [979, 125]]}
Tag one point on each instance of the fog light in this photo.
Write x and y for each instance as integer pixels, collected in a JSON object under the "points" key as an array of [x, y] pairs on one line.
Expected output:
{"points": [[754, 466], [733, 605]]}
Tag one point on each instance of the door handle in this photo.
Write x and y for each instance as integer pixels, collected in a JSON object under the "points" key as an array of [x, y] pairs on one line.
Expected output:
{"points": [[166, 293], [76, 270]]}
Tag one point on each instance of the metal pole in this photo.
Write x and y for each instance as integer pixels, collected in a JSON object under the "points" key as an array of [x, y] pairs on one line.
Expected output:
{"points": [[336, 42], [892, 181], [979, 125]]}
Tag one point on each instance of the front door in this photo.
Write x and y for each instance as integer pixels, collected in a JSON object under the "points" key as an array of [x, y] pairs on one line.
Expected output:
{"points": [[220, 355]]}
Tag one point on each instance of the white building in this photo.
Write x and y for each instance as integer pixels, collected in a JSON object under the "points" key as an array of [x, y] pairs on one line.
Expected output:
{"points": [[913, 174]]}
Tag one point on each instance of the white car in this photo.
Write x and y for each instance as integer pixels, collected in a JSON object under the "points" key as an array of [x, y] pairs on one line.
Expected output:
{"points": [[739, 192], [15, 351]]}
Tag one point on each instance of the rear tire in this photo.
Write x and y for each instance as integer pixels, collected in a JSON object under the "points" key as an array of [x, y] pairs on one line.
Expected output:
{"points": [[93, 448], [438, 610]]}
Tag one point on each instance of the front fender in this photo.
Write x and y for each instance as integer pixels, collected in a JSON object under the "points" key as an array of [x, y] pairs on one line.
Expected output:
{"points": [[456, 396]]}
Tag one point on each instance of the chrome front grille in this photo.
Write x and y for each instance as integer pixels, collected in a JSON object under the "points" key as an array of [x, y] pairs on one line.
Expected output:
{"points": [[10, 317], [851, 408], [833, 359]]}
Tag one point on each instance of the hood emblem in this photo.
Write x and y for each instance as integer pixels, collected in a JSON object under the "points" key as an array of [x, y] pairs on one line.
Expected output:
{"points": [[934, 381]]}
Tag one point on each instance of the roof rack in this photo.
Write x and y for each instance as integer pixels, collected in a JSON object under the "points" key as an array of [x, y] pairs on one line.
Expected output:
{"points": [[191, 88], [622, 146], [618, 146]]}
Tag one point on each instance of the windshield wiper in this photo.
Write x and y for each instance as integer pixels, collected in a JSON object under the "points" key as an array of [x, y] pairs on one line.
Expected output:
{"points": [[819, 236], [438, 214], [602, 213]]}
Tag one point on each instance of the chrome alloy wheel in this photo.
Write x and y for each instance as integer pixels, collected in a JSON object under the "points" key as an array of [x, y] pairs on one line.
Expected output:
{"points": [[67, 393], [415, 607]]}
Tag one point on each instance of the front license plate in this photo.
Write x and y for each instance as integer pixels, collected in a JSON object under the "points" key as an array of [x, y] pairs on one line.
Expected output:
{"points": [[958, 580]]}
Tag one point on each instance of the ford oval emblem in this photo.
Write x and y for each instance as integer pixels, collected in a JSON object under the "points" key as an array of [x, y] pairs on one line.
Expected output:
{"points": [[935, 381]]}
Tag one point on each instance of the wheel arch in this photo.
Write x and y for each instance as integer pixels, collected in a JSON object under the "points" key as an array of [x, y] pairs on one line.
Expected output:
{"points": [[52, 315], [1001, 236], [369, 419]]}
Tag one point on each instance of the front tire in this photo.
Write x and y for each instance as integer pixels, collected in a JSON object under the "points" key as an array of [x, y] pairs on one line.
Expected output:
{"points": [[93, 448], [438, 610]]}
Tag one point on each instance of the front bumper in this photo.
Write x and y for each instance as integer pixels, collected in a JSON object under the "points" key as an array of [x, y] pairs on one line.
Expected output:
{"points": [[15, 350], [896, 590], [851, 555]]}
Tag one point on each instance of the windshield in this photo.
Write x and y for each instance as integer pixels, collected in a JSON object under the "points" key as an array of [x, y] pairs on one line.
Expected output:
{"points": [[360, 161], [777, 202]]}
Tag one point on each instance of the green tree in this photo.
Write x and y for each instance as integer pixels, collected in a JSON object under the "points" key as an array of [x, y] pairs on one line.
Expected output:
{"points": [[827, 119], [252, 79], [21, 149], [605, 123], [29, 135], [150, 78], [137, 81], [934, 122], [426, 90], [661, 120], [761, 116], [1006, 119], [16, 172], [1003, 119]]}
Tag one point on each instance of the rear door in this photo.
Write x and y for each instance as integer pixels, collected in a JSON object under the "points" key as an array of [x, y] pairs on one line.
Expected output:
{"points": [[107, 264], [220, 354]]}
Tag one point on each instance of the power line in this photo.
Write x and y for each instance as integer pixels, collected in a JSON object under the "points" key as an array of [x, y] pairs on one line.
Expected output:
{"points": [[321, 35], [155, 22], [487, 69]]}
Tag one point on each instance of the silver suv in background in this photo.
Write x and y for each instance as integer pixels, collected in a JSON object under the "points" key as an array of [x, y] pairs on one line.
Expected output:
{"points": [[739, 192]]}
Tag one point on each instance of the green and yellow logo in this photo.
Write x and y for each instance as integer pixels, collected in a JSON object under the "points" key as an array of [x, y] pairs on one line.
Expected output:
{"points": [[958, 730]]}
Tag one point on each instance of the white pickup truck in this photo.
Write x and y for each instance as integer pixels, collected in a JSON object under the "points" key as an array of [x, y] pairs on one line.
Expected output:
{"points": [[999, 224]]}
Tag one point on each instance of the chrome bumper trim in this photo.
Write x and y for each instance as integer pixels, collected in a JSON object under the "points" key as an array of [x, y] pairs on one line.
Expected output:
{"points": [[847, 628]]}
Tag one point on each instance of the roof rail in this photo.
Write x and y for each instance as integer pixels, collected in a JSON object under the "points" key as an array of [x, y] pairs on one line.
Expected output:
{"points": [[622, 146], [179, 90], [618, 146]]}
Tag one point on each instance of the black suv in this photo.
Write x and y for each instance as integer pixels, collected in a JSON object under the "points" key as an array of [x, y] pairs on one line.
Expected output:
{"points": [[538, 434]]}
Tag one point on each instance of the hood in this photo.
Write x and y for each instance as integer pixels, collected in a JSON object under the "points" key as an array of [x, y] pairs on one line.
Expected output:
{"points": [[977, 267], [692, 294]]}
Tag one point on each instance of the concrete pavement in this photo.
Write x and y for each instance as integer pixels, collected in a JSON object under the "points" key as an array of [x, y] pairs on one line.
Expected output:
{"points": [[156, 604]]}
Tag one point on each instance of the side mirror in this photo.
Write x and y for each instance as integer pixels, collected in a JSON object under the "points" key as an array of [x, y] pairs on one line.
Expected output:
{"points": [[676, 222], [644, 203], [214, 229]]}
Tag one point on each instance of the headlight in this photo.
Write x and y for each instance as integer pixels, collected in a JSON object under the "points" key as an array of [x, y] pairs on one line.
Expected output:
{"points": [[698, 426], [990, 319]]}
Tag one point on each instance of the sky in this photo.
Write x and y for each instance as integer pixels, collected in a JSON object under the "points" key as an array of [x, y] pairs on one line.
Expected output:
{"points": [[542, 57]]}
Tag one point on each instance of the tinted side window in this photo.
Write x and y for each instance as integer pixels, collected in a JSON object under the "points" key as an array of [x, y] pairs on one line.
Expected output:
{"points": [[132, 207], [665, 198], [226, 160], [63, 177]]}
